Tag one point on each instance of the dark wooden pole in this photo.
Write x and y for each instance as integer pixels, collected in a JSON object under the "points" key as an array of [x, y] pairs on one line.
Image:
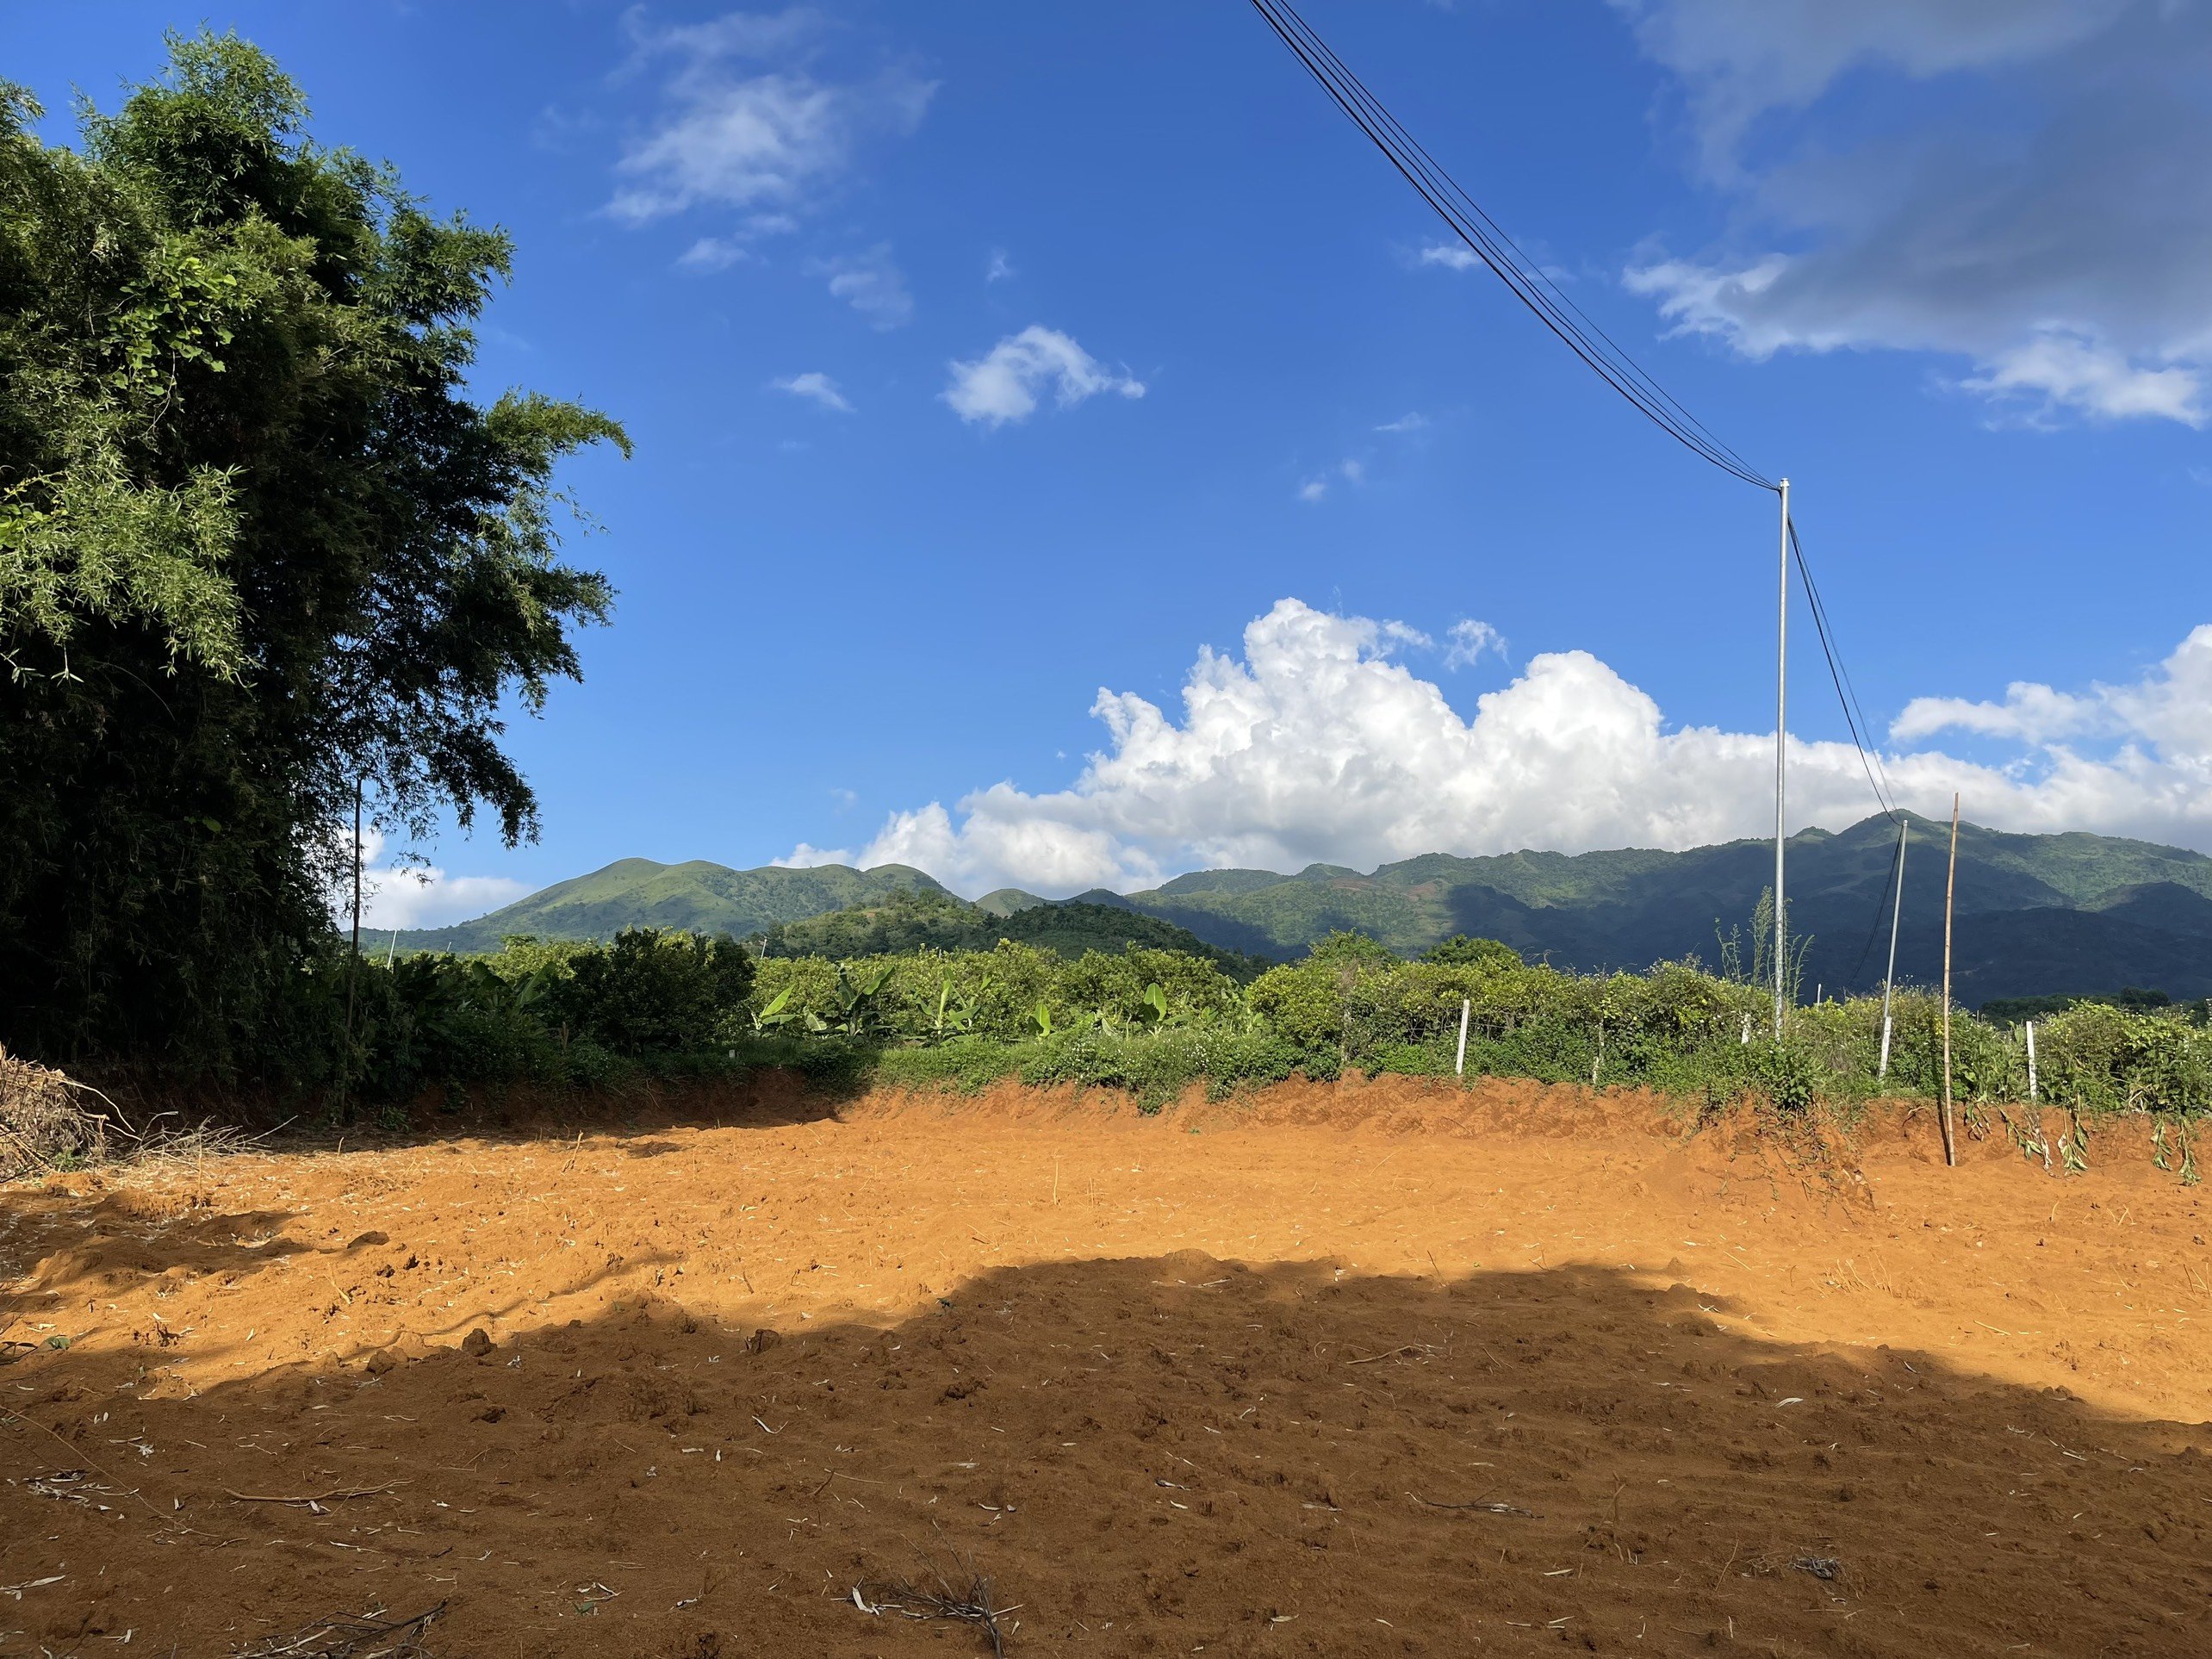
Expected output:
{"points": [[353, 967], [1950, 887]]}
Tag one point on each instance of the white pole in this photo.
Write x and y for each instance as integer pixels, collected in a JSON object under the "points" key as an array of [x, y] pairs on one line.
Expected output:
{"points": [[1897, 914], [2031, 1059], [1459, 1065], [1781, 750]]}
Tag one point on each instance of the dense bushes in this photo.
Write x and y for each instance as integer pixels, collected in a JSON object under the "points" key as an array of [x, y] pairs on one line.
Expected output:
{"points": [[563, 1013], [1155, 1021]]}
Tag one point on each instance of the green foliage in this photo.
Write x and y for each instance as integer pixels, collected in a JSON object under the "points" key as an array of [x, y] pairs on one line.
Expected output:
{"points": [[576, 1014], [2017, 1010], [259, 548], [929, 918], [1460, 951]]}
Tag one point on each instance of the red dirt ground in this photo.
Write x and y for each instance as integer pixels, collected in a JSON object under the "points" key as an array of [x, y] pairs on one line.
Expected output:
{"points": [[1367, 1369]]}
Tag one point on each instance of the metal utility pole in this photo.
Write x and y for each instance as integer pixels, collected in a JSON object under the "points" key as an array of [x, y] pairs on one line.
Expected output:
{"points": [[1889, 979], [1781, 752]]}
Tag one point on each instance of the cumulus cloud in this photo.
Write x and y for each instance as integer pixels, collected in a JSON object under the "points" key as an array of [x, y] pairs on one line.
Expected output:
{"points": [[2169, 709], [998, 270], [748, 121], [406, 893], [1451, 256], [1317, 744], [869, 282], [816, 387], [1005, 383], [2046, 222], [1411, 421]]}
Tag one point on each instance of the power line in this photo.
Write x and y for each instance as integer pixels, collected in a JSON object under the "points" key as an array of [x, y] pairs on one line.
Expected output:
{"points": [[1599, 351], [1854, 715], [1561, 315], [1495, 249]]}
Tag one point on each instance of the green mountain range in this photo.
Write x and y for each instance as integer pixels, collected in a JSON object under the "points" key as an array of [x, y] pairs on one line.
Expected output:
{"points": [[2036, 915], [636, 893]]}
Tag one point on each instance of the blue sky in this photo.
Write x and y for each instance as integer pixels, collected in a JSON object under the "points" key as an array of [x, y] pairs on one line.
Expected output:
{"points": [[1067, 455]]}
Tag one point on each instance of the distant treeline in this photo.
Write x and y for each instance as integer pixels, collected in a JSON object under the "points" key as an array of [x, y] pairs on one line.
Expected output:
{"points": [[925, 919], [1154, 1022]]}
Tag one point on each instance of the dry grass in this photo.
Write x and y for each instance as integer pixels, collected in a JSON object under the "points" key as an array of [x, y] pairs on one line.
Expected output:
{"points": [[43, 1123]]}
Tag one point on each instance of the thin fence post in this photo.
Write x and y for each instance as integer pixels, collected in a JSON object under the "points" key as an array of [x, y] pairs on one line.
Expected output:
{"points": [[1459, 1065], [1896, 918], [1950, 887], [2031, 1061]]}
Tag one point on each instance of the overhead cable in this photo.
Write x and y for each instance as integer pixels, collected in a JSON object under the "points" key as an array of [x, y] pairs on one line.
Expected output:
{"points": [[1495, 249]]}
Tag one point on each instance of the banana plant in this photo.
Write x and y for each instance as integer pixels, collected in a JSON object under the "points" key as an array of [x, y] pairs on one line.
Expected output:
{"points": [[775, 1016], [856, 1003]]}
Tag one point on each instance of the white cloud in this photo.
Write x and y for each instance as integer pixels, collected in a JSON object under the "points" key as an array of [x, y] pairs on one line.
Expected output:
{"points": [[2058, 367], [1451, 256], [2034, 222], [806, 856], [2169, 708], [1352, 470], [815, 386], [869, 282], [1004, 385], [1411, 421], [998, 270], [1315, 745], [746, 121], [1470, 641], [403, 893], [712, 253]]}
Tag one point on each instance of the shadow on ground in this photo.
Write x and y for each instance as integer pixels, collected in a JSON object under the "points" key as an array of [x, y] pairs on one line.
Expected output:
{"points": [[1145, 1455]]}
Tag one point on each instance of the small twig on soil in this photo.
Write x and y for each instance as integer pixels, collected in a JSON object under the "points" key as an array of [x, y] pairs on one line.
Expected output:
{"points": [[1422, 1348], [79, 1451], [345, 1637], [960, 1593], [1487, 1508], [331, 1496]]}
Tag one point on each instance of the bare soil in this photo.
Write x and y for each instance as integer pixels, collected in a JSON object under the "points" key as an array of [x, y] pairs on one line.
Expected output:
{"points": [[1385, 1368]]}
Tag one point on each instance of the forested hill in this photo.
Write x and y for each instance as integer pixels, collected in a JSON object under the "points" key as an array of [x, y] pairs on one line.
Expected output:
{"points": [[636, 893], [2037, 914]]}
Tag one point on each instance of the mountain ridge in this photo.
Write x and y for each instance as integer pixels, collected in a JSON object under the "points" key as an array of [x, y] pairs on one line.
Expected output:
{"points": [[2047, 914]]}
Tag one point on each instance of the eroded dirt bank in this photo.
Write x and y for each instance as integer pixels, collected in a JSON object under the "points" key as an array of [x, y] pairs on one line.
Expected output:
{"points": [[1372, 1369]]}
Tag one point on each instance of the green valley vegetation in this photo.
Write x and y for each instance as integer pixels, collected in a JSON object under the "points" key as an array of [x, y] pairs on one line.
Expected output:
{"points": [[262, 556], [1153, 1022], [2063, 915]]}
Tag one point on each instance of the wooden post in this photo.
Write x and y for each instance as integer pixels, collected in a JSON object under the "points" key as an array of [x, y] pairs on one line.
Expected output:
{"points": [[353, 966], [1950, 887]]}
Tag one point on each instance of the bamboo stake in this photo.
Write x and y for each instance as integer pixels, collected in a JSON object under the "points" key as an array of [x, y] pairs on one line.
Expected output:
{"points": [[1950, 887]]}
